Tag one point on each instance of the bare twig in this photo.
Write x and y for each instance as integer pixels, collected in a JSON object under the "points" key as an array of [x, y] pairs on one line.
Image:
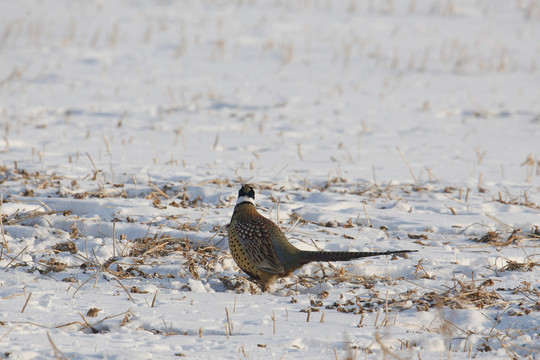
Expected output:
{"points": [[367, 215], [7, 332], [16, 256], [499, 222], [408, 165], [57, 353], [155, 298], [2, 224], [101, 184], [229, 320], [126, 290], [104, 319], [90, 278], [26, 302]]}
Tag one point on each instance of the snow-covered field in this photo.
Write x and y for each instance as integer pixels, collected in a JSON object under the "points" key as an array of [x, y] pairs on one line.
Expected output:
{"points": [[127, 128]]}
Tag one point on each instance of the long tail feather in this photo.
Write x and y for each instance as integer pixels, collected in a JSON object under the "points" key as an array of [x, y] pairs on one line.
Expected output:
{"points": [[310, 256]]}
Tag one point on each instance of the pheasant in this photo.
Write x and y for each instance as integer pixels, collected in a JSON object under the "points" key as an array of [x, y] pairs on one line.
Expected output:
{"points": [[262, 251]]}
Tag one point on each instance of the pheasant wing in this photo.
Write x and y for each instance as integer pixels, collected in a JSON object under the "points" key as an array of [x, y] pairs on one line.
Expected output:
{"points": [[257, 243]]}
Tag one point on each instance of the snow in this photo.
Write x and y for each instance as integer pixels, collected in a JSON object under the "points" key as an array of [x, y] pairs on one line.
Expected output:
{"points": [[128, 127]]}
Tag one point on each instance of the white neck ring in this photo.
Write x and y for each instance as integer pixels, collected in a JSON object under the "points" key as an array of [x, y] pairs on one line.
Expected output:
{"points": [[243, 199]]}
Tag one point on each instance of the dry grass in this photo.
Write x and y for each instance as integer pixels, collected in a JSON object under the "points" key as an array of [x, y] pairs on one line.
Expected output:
{"points": [[196, 256], [509, 199], [137, 257], [527, 265], [464, 295], [514, 238]]}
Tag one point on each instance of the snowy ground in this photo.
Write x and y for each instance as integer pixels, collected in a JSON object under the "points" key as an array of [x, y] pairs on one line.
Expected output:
{"points": [[127, 128]]}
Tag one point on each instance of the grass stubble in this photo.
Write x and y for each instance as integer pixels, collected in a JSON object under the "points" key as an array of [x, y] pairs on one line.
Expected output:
{"points": [[133, 257]]}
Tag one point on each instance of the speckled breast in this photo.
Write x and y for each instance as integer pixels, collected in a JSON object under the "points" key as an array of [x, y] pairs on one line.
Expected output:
{"points": [[239, 254]]}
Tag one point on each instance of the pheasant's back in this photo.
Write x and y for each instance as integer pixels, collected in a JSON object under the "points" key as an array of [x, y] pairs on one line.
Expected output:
{"points": [[289, 255]]}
